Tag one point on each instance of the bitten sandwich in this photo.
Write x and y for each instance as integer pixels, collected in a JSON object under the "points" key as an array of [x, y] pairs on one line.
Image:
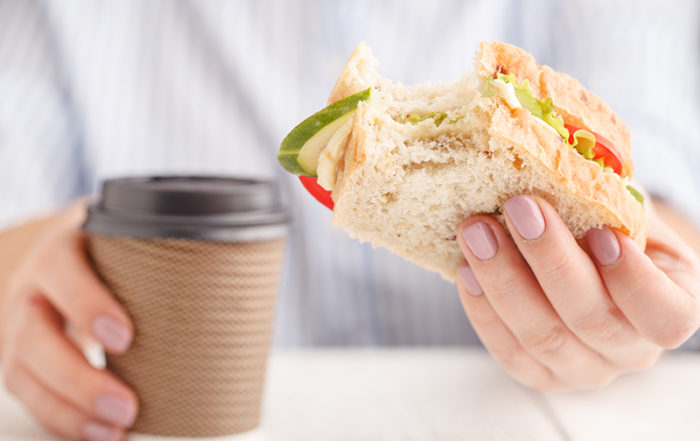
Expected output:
{"points": [[402, 166]]}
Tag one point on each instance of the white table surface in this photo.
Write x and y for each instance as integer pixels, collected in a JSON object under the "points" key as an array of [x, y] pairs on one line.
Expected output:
{"points": [[446, 394]]}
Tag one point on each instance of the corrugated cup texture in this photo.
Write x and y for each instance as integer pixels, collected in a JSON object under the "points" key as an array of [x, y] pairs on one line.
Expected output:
{"points": [[203, 314]]}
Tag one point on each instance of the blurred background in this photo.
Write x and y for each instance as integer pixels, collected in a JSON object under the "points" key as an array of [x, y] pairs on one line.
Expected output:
{"points": [[92, 90]]}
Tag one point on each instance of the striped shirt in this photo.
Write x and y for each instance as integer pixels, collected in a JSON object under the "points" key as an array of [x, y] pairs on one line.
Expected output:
{"points": [[92, 90]]}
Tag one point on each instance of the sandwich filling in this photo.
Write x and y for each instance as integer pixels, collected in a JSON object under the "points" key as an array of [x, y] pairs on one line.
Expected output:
{"points": [[520, 96], [327, 169], [329, 149], [581, 141]]}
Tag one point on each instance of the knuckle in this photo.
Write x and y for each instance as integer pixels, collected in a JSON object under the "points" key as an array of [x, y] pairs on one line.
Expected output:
{"points": [[634, 290], [509, 283], [545, 343], [57, 422], [27, 316], [601, 325], [479, 320], [92, 383], [26, 328], [675, 333], [510, 358], [647, 361], [556, 266], [99, 382]]}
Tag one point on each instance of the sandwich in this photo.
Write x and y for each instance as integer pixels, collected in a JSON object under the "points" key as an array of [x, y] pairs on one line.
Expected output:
{"points": [[402, 166]]}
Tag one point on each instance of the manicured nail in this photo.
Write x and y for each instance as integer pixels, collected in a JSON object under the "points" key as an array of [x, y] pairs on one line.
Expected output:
{"points": [[112, 334], [604, 245], [469, 281], [480, 240], [526, 216], [93, 431], [116, 410]]}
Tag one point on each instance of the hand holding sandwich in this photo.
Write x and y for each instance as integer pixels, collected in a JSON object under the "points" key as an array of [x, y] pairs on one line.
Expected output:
{"points": [[557, 283], [556, 317]]}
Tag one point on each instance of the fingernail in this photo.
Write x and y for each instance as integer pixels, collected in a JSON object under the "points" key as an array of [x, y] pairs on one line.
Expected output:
{"points": [[604, 245], [112, 334], [469, 281], [116, 410], [93, 431], [526, 216], [480, 240]]}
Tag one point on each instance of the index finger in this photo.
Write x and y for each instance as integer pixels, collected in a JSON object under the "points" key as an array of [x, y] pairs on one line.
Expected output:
{"points": [[567, 275], [65, 277]]}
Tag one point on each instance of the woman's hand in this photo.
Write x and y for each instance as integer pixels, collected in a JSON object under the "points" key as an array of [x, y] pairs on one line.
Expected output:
{"points": [[54, 287], [556, 317]]}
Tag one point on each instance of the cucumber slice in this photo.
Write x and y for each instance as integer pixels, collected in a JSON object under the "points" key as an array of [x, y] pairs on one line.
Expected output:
{"points": [[301, 148]]}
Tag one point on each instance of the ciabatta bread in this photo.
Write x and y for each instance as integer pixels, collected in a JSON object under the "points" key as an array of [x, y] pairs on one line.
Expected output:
{"points": [[407, 186]]}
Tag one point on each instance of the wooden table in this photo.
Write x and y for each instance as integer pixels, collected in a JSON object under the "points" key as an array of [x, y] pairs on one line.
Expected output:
{"points": [[446, 394]]}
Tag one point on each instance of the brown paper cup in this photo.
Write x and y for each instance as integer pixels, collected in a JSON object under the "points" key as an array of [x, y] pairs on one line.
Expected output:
{"points": [[203, 314]]}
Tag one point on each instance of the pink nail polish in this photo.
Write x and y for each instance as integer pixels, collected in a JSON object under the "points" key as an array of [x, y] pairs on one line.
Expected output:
{"points": [[115, 409], [603, 245], [469, 281], [112, 334], [480, 240], [526, 216]]}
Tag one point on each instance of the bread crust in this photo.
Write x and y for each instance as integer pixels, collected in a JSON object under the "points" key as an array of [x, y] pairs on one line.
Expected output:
{"points": [[354, 155], [576, 105], [359, 73]]}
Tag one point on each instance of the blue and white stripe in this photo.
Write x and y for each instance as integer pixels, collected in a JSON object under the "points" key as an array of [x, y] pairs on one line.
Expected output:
{"points": [[91, 90]]}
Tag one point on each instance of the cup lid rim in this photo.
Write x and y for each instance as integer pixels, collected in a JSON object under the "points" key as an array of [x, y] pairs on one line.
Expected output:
{"points": [[187, 206]]}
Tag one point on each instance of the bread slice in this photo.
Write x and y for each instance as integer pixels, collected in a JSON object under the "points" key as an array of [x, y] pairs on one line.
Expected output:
{"points": [[407, 186]]}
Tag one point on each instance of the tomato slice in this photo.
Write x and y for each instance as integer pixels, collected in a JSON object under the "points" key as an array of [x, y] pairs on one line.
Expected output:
{"points": [[321, 194], [603, 149]]}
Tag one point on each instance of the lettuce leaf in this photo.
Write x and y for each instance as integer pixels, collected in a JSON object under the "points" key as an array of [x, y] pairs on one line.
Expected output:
{"points": [[551, 117], [541, 108], [637, 195], [524, 94], [584, 141]]}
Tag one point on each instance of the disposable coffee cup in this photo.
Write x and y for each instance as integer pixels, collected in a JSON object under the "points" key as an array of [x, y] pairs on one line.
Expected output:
{"points": [[196, 262]]}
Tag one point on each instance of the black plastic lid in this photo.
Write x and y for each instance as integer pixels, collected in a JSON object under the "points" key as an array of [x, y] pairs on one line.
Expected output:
{"points": [[192, 207]]}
